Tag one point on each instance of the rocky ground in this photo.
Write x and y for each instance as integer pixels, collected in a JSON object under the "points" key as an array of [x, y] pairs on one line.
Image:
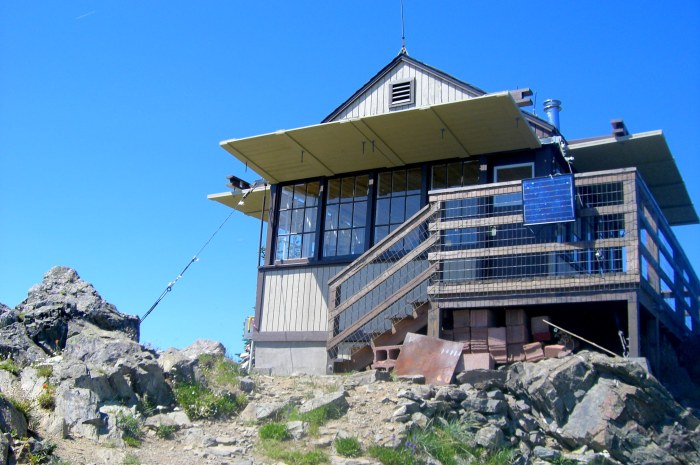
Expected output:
{"points": [[64, 343]]}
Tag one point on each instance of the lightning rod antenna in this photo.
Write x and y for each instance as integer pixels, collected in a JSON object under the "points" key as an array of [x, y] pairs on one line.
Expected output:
{"points": [[403, 34]]}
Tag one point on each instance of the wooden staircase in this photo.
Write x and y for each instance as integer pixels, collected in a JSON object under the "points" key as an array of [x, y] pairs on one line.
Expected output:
{"points": [[363, 356]]}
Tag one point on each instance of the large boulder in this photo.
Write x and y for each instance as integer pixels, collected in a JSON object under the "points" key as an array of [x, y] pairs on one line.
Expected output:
{"points": [[16, 344], [7, 315], [11, 419], [62, 298], [182, 365], [113, 367]]}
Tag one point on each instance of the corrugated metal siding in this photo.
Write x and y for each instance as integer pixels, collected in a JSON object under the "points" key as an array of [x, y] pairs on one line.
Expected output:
{"points": [[430, 90], [296, 299]]}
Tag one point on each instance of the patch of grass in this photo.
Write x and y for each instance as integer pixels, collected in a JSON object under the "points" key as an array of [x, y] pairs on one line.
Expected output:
{"points": [[131, 459], [200, 402], [274, 430], [348, 447], [44, 371], [43, 455], [277, 450], [10, 365], [563, 461], [145, 406], [24, 406], [166, 431], [444, 443], [131, 429], [220, 370], [315, 418], [393, 456], [501, 457]]}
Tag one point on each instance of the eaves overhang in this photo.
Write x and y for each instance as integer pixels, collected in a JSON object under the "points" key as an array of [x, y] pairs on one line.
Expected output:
{"points": [[489, 124], [650, 154], [253, 202]]}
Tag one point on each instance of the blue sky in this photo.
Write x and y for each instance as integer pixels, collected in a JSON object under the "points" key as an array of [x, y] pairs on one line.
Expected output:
{"points": [[111, 114]]}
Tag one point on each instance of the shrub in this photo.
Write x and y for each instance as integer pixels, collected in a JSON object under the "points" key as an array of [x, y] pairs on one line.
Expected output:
{"points": [[47, 398], [44, 371], [348, 447], [274, 430], [166, 431], [131, 459], [131, 429], [220, 370], [10, 365], [200, 402]]}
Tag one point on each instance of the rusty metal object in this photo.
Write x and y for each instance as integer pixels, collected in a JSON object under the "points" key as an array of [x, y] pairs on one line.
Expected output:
{"points": [[435, 359]]}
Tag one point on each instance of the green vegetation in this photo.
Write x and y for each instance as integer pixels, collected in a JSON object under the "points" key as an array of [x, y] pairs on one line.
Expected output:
{"points": [[447, 444], [47, 398], [274, 430], [200, 402], [131, 459], [348, 447], [131, 429], [10, 365], [44, 371], [219, 370], [215, 397], [564, 461], [277, 450], [166, 431], [315, 418], [391, 456]]}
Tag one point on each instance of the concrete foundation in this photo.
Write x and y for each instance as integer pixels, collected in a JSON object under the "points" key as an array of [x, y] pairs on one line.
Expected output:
{"points": [[286, 358]]}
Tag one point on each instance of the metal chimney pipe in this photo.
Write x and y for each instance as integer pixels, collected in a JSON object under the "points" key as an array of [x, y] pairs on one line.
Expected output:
{"points": [[552, 107]]}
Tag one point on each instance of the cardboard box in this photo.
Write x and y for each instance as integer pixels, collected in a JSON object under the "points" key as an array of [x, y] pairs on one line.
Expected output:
{"points": [[461, 318], [516, 317], [482, 318]]}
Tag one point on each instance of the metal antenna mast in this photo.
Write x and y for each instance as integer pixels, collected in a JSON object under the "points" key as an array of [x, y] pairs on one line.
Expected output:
{"points": [[403, 34]]}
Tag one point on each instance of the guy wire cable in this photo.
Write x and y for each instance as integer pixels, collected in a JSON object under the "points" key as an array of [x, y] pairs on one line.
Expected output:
{"points": [[170, 285]]}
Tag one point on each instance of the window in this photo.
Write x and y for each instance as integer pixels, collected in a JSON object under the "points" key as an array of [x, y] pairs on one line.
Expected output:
{"points": [[398, 198], [511, 202], [346, 216], [455, 174], [296, 228]]}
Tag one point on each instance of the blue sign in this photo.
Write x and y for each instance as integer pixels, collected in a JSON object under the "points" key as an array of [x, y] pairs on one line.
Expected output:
{"points": [[549, 200]]}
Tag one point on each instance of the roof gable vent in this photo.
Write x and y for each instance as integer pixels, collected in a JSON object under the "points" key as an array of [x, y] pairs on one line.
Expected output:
{"points": [[402, 92]]}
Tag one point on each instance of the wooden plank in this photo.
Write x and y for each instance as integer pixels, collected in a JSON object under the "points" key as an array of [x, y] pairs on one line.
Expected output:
{"points": [[389, 301], [475, 222], [396, 266], [524, 284], [527, 249], [383, 246]]}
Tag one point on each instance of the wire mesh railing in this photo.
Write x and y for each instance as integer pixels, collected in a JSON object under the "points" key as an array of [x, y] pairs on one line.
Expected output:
{"points": [[383, 286]]}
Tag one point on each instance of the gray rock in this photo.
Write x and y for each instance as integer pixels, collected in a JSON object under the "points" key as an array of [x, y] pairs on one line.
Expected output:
{"points": [[420, 420], [410, 395], [63, 297], [406, 408], [177, 419], [246, 385], [365, 377], [7, 315], [297, 429], [260, 412], [15, 343], [546, 453], [486, 406], [335, 401], [78, 410], [450, 393], [4, 448], [483, 379], [490, 438], [413, 379], [11, 419]]}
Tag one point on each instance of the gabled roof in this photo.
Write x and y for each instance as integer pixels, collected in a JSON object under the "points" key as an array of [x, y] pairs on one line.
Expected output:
{"points": [[403, 58]]}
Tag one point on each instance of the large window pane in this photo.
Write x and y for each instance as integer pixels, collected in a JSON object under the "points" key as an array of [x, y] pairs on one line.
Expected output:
{"points": [[346, 216], [400, 203], [296, 226]]}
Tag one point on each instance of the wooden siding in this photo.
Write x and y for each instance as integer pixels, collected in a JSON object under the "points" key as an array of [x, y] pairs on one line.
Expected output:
{"points": [[295, 299], [429, 88]]}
